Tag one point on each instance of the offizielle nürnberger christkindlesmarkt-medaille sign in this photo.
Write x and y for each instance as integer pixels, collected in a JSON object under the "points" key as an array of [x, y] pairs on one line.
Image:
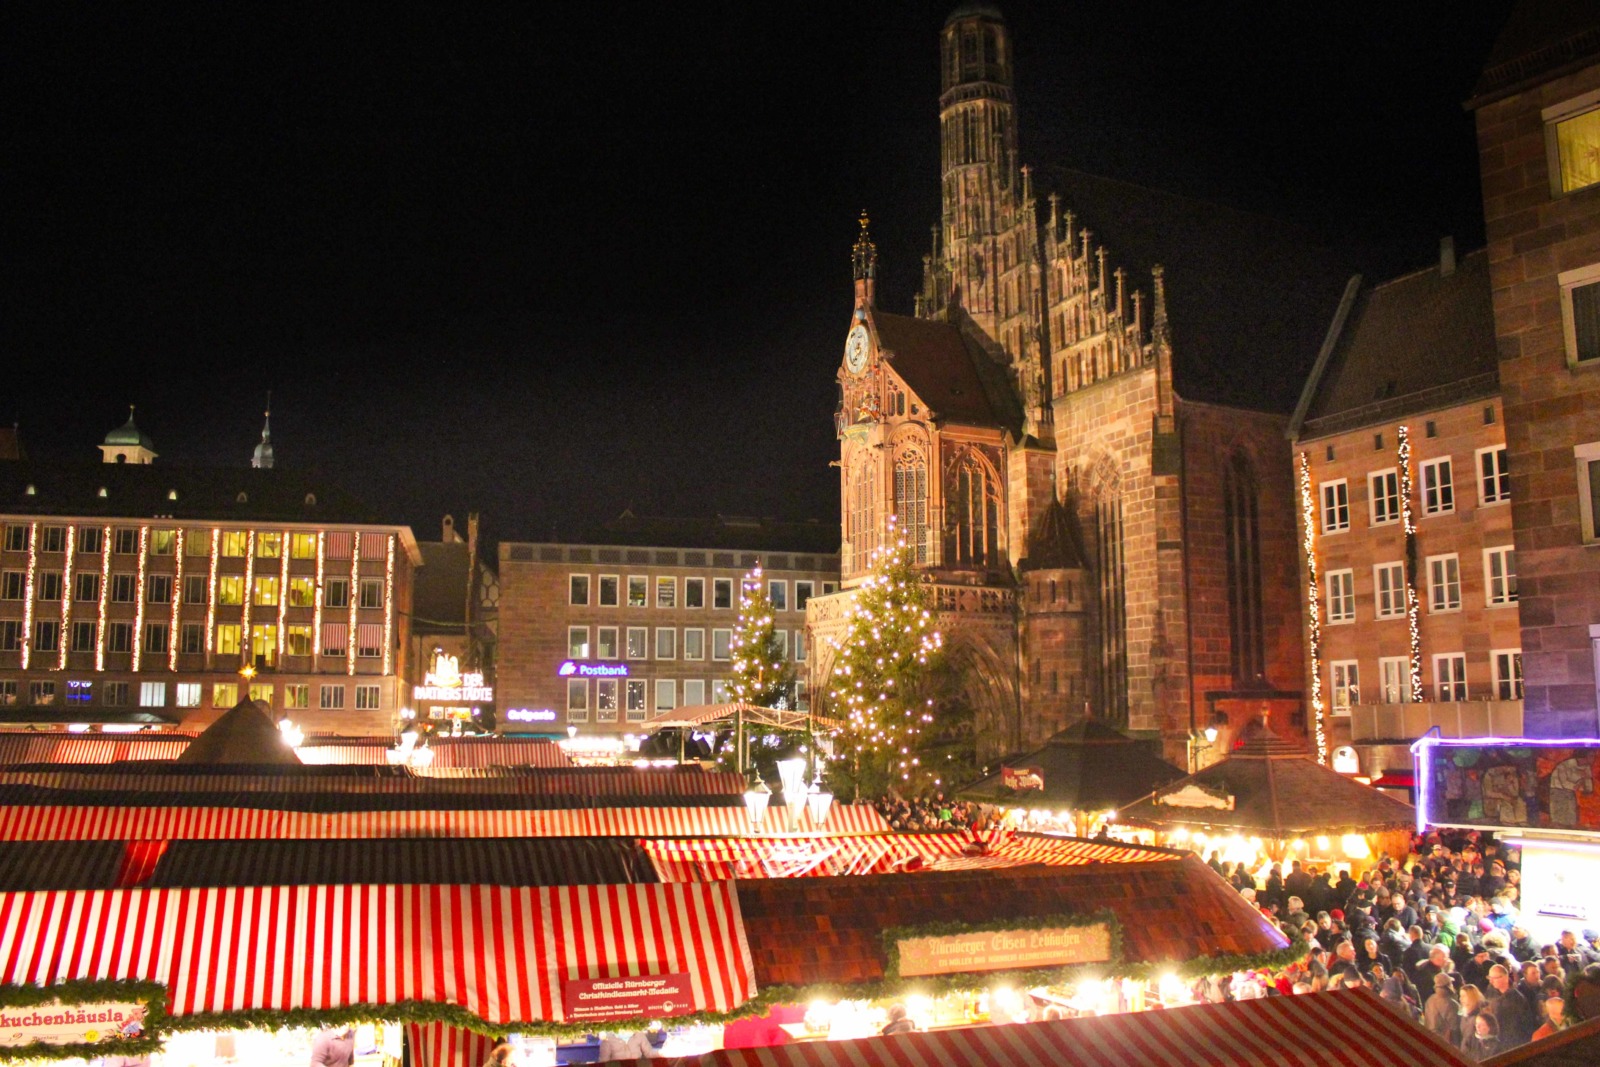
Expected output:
{"points": [[1004, 950]]}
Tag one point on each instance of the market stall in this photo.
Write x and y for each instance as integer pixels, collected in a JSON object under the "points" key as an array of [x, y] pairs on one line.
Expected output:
{"points": [[1075, 781], [1270, 802]]}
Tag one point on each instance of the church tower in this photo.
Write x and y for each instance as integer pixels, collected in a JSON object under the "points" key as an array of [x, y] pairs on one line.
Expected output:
{"points": [[262, 456]]}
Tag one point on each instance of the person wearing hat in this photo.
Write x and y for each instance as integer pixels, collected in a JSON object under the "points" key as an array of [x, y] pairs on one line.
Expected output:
{"points": [[1442, 1012], [1475, 971], [1522, 946]]}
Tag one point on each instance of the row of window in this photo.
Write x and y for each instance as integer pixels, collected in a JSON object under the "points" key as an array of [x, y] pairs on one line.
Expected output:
{"points": [[224, 695], [607, 591], [119, 636], [1436, 485], [640, 698], [230, 543], [636, 643], [1444, 585], [1449, 679], [265, 590]]}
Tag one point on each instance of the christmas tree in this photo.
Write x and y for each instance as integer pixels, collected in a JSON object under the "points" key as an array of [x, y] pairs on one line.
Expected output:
{"points": [[884, 668], [762, 674]]}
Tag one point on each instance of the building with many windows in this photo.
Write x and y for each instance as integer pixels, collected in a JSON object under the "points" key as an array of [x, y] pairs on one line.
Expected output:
{"points": [[606, 631], [133, 592], [1538, 115], [1405, 517]]}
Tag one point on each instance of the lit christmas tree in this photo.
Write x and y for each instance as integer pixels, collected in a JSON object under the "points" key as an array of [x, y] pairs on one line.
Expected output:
{"points": [[762, 674], [884, 669]]}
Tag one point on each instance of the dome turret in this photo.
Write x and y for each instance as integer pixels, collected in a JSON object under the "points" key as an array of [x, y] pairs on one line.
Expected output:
{"points": [[128, 444]]}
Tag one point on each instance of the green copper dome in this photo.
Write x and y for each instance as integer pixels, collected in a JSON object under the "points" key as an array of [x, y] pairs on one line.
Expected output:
{"points": [[129, 434]]}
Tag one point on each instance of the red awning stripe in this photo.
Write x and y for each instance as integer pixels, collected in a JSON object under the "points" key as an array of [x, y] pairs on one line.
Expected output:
{"points": [[502, 953], [59, 823], [1348, 1028], [617, 782], [74, 748], [442, 1045]]}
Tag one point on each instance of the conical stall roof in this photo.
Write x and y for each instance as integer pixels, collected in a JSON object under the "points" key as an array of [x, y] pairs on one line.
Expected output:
{"points": [[245, 734], [1089, 766], [1270, 786]]}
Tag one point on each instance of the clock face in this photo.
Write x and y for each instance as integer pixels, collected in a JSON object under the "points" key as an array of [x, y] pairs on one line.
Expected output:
{"points": [[855, 350]]}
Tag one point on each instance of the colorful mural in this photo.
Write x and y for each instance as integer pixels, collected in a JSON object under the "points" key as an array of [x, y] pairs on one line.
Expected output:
{"points": [[1549, 784]]}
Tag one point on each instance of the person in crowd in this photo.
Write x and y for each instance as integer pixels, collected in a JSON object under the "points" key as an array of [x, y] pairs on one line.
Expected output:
{"points": [[1345, 966], [1473, 1004], [1476, 970], [1522, 946], [1215, 862], [1295, 912], [899, 1021], [1416, 952], [1298, 881], [614, 1048], [1512, 1011], [1442, 1013], [334, 1046], [1585, 1000], [1369, 953], [1482, 1040], [502, 1055], [1530, 983], [1554, 1010], [1437, 963], [1319, 898]]}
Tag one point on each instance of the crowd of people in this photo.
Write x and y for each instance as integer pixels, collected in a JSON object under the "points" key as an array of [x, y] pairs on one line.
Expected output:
{"points": [[931, 813], [1438, 936]]}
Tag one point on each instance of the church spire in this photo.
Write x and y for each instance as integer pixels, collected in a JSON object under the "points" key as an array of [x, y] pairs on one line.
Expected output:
{"points": [[263, 453], [864, 265]]}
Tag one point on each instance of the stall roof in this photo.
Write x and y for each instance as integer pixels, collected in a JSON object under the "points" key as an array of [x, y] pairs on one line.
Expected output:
{"points": [[1089, 766], [808, 931], [245, 734], [692, 715], [1576, 1046], [449, 753], [1347, 1028], [1270, 786]]}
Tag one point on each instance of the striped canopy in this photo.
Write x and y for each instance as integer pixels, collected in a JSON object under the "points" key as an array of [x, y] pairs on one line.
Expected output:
{"points": [[1349, 1028]]}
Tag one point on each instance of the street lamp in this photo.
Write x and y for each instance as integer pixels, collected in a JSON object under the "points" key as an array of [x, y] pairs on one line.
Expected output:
{"points": [[756, 799], [818, 802]]}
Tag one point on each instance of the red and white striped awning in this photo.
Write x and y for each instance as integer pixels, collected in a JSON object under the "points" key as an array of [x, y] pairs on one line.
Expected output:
{"points": [[1348, 1028], [448, 753], [443, 1045], [105, 823], [712, 860], [606, 782], [501, 953], [18, 748]]}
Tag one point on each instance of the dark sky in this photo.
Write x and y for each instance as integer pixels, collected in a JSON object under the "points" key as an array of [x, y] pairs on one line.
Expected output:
{"points": [[550, 261]]}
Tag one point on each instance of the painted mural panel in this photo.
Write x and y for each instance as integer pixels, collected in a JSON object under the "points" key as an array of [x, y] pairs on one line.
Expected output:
{"points": [[1549, 785]]}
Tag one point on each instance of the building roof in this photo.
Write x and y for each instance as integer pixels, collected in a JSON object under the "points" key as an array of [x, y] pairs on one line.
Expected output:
{"points": [[439, 590], [129, 434], [951, 374], [210, 494], [1248, 297], [727, 532], [1053, 543], [1422, 341], [1576, 1046], [1274, 788], [804, 931], [1089, 766], [244, 734], [1543, 39]]}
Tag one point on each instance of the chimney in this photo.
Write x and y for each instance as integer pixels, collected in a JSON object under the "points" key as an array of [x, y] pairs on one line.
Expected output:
{"points": [[1447, 256], [448, 533]]}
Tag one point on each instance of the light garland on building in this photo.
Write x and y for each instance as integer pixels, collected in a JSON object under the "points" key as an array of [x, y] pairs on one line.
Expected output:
{"points": [[66, 598], [316, 608], [211, 595], [1308, 520], [27, 594], [388, 609], [247, 652], [177, 599], [105, 592], [283, 590], [354, 599], [1409, 523], [138, 597]]}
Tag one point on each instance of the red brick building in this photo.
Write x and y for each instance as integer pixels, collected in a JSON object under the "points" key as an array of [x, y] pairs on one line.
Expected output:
{"points": [[1106, 514], [1405, 517], [1538, 115]]}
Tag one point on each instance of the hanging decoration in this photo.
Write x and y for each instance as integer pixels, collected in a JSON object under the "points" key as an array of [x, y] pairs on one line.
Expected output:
{"points": [[139, 597], [355, 599], [177, 599], [283, 589], [1409, 524], [211, 595], [388, 607], [66, 597], [316, 602], [105, 586], [1308, 523]]}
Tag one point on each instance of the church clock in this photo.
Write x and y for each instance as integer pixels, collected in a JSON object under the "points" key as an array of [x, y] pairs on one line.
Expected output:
{"points": [[855, 349]]}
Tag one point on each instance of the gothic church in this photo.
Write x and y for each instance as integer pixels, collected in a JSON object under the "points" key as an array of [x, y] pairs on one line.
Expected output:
{"points": [[1098, 539]]}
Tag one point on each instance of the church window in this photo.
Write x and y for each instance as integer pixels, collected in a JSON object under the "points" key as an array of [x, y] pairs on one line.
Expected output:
{"points": [[972, 537], [1240, 504], [1112, 669], [863, 512], [911, 501]]}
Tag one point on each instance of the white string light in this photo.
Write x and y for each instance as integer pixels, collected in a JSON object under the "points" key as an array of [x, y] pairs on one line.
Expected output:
{"points": [[316, 607], [1308, 521], [388, 609], [211, 594], [247, 652], [27, 594], [355, 599], [283, 589], [177, 598], [105, 584], [66, 597], [1413, 602], [138, 599]]}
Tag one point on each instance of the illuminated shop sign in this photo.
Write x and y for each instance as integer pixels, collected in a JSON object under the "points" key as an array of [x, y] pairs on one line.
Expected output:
{"points": [[530, 715], [574, 669], [446, 682]]}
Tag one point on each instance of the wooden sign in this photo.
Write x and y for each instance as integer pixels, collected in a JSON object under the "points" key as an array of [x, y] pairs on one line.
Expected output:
{"points": [[70, 1024], [1004, 950]]}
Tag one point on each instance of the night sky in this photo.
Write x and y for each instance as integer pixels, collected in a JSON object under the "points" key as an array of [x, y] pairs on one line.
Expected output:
{"points": [[552, 261]]}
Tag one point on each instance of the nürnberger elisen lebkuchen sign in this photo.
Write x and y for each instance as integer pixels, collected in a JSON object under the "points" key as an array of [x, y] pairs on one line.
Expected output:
{"points": [[1004, 950]]}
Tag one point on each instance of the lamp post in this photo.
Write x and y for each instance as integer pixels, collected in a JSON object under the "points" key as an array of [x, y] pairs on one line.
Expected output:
{"points": [[756, 799]]}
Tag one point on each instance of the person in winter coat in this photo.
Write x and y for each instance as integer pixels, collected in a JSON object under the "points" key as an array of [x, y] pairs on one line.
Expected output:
{"points": [[1483, 1040], [1512, 1011], [1555, 1018], [1442, 1013]]}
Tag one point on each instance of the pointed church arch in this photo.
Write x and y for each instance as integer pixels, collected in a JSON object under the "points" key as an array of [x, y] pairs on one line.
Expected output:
{"points": [[988, 689], [974, 504], [910, 457]]}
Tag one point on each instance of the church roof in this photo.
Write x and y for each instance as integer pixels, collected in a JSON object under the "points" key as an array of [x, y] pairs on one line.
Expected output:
{"points": [[1416, 343], [1053, 542], [1248, 297], [957, 381]]}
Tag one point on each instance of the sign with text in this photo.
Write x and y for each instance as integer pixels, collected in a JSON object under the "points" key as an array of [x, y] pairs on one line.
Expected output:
{"points": [[70, 1024], [573, 669], [446, 681], [594, 999], [1004, 950]]}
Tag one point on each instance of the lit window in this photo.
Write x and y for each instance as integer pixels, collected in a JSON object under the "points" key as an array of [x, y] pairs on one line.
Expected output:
{"points": [[269, 545], [41, 693], [637, 710], [1494, 477], [1394, 676], [229, 638], [195, 543], [297, 639], [638, 591], [302, 592], [1384, 487], [578, 642], [1572, 135], [1344, 685], [261, 692], [605, 700], [224, 694], [264, 644], [1500, 575], [666, 592], [1438, 490], [162, 542], [234, 543], [266, 591], [1335, 506], [303, 546], [230, 590], [297, 697], [1341, 596], [578, 590], [1450, 676], [188, 694], [1444, 583], [152, 694], [1507, 673], [638, 642], [80, 692]]}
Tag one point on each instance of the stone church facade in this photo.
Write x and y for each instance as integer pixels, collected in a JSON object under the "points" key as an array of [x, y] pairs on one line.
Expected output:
{"points": [[1097, 541]]}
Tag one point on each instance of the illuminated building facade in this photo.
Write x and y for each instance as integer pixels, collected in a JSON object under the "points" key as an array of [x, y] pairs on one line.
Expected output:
{"points": [[132, 592], [1409, 573], [1107, 521], [1537, 107], [610, 630]]}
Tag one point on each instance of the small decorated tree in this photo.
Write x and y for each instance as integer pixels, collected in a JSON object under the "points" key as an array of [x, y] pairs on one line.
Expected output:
{"points": [[762, 674], [885, 666]]}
